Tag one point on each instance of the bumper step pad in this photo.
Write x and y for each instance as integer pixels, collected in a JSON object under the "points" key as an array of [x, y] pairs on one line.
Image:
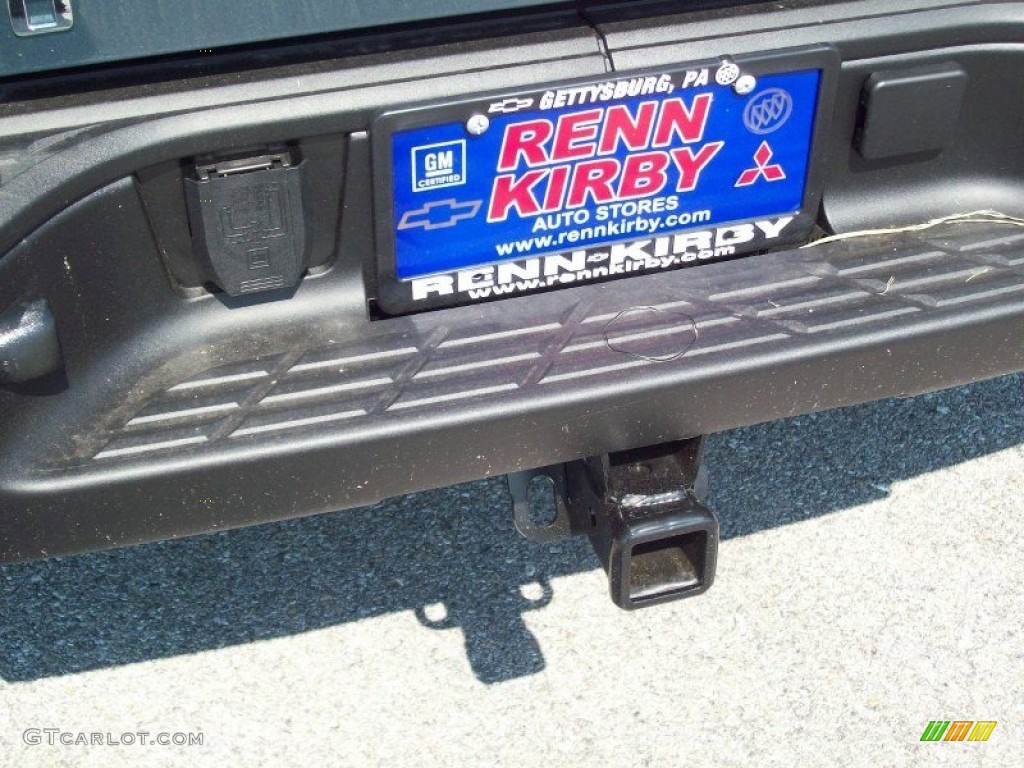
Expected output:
{"points": [[683, 322], [415, 402]]}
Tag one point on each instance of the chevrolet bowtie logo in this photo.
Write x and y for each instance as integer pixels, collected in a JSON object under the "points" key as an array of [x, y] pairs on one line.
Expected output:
{"points": [[439, 214], [509, 105]]}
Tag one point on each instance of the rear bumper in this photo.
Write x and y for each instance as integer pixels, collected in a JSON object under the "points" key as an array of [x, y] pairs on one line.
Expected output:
{"points": [[445, 397], [179, 412]]}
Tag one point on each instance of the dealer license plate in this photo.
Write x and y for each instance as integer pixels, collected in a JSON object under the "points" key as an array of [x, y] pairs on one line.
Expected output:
{"points": [[517, 193]]}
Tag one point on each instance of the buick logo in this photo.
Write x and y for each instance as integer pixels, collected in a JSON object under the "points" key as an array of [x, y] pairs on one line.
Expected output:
{"points": [[768, 111]]}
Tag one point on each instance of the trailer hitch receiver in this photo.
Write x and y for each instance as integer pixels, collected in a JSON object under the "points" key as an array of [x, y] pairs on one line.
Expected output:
{"points": [[642, 513]]}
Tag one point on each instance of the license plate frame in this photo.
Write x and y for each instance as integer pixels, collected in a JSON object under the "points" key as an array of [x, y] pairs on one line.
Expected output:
{"points": [[417, 216]]}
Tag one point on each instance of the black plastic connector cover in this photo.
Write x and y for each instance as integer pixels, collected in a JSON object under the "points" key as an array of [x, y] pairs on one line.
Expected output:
{"points": [[248, 222], [911, 111]]}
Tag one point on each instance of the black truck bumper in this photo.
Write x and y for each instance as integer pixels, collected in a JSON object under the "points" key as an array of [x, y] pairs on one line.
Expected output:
{"points": [[176, 411]]}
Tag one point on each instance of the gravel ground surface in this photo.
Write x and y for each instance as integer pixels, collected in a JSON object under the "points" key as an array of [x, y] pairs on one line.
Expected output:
{"points": [[870, 580]]}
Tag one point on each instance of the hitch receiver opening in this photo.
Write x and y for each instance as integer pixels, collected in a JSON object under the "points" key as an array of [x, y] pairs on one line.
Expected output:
{"points": [[667, 565], [667, 554], [642, 513]]}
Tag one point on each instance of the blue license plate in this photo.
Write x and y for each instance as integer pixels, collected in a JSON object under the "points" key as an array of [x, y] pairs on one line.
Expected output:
{"points": [[513, 194]]}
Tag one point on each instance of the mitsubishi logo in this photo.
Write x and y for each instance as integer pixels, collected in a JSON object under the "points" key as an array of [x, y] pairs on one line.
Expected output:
{"points": [[763, 168]]}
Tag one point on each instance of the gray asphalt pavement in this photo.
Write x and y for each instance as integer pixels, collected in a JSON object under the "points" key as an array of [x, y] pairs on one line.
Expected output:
{"points": [[870, 580]]}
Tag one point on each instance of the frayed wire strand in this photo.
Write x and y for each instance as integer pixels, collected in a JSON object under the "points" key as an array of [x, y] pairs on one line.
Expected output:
{"points": [[974, 217]]}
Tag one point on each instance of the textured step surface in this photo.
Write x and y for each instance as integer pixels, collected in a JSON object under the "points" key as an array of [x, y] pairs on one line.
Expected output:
{"points": [[684, 322], [339, 411]]}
